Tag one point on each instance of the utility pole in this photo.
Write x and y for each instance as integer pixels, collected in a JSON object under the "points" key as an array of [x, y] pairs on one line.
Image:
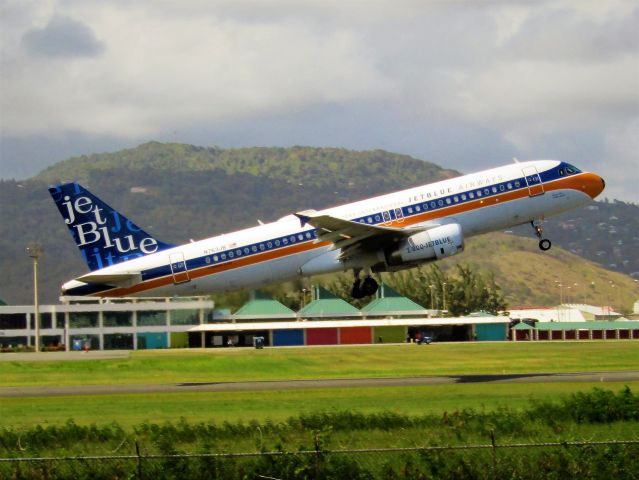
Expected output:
{"points": [[34, 250], [444, 293], [432, 298]]}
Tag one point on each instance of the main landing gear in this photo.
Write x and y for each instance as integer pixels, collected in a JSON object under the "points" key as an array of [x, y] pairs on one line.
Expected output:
{"points": [[363, 288], [544, 243]]}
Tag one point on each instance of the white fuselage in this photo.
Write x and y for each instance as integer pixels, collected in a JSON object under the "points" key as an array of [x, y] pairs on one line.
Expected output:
{"points": [[481, 202]]}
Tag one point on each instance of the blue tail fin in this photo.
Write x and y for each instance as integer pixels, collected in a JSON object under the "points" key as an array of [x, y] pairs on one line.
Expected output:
{"points": [[103, 235]]}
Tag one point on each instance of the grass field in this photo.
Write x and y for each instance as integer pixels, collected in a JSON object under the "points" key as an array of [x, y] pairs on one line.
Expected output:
{"points": [[172, 366], [329, 418], [175, 366], [129, 410]]}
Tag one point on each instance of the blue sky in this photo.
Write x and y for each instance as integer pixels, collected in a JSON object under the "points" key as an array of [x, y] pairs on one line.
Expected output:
{"points": [[464, 84]]}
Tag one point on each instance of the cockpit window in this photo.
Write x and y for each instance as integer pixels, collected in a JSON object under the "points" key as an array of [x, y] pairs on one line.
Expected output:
{"points": [[571, 170]]}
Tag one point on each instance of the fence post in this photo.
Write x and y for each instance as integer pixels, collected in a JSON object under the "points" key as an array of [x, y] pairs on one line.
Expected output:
{"points": [[318, 450], [139, 460]]}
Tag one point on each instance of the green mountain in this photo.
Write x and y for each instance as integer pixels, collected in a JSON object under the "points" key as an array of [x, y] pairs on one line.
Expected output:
{"points": [[181, 192]]}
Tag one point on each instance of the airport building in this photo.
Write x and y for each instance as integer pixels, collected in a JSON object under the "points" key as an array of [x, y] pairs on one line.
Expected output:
{"points": [[79, 323], [595, 330], [193, 322], [106, 324]]}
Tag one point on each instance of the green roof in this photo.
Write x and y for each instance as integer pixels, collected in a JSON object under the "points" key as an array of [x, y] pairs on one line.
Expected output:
{"points": [[598, 325], [262, 304], [326, 303], [523, 326], [388, 300]]}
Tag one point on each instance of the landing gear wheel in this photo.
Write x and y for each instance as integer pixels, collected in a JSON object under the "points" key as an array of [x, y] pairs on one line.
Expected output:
{"points": [[544, 244], [369, 286], [356, 291]]}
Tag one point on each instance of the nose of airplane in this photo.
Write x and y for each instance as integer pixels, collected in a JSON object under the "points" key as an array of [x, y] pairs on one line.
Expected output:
{"points": [[592, 184]]}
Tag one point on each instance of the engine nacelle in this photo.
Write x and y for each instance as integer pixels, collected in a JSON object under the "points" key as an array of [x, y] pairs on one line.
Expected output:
{"points": [[432, 244]]}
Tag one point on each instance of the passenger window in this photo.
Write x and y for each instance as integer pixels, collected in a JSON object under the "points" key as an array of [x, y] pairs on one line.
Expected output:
{"points": [[471, 195], [418, 208]]}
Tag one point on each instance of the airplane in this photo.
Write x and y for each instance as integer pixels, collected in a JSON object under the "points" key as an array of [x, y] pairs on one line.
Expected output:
{"points": [[386, 233]]}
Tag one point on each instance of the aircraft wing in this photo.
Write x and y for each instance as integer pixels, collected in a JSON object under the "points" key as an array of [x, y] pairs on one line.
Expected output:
{"points": [[115, 279], [353, 237]]}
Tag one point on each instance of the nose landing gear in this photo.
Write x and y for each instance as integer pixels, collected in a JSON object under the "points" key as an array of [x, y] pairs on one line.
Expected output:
{"points": [[544, 243]]}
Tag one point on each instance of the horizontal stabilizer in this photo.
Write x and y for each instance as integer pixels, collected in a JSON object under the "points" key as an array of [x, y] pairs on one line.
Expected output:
{"points": [[114, 279]]}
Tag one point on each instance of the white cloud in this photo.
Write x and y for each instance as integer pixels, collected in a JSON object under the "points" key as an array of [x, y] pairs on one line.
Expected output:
{"points": [[160, 71], [527, 76]]}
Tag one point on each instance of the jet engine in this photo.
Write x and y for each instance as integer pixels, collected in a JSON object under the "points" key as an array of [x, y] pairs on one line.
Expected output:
{"points": [[432, 244]]}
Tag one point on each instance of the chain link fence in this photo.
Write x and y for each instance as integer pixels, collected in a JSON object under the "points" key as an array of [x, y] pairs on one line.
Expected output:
{"points": [[569, 459]]}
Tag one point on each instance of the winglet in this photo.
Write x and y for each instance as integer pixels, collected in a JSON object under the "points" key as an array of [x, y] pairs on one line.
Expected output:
{"points": [[304, 219]]}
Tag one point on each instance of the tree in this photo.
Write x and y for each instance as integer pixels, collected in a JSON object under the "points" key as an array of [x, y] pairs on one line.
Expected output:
{"points": [[468, 291]]}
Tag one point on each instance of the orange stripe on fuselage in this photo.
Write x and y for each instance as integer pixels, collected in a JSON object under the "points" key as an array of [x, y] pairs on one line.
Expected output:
{"points": [[575, 182], [213, 269]]}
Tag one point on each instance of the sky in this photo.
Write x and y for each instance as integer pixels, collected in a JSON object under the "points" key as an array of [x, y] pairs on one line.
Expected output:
{"points": [[464, 84]]}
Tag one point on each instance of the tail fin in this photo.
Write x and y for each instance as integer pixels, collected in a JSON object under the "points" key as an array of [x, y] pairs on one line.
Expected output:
{"points": [[103, 235]]}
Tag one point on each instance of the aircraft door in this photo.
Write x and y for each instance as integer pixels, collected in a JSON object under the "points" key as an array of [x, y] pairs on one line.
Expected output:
{"points": [[178, 268], [387, 217], [399, 215], [533, 181]]}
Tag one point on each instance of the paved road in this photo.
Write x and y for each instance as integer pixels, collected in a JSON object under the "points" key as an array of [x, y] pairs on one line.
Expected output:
{"points": [[57, 356], [624, 376]]}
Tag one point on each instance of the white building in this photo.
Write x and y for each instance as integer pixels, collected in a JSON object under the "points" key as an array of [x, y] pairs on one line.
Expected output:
{"points": [[564, 313]]}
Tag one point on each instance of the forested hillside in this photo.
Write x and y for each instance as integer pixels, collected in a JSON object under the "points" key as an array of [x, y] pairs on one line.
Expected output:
{"points": [[179, 192]]}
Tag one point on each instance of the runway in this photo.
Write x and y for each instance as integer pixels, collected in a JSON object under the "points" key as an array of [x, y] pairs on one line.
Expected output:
{"points": [[72, 390]]}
